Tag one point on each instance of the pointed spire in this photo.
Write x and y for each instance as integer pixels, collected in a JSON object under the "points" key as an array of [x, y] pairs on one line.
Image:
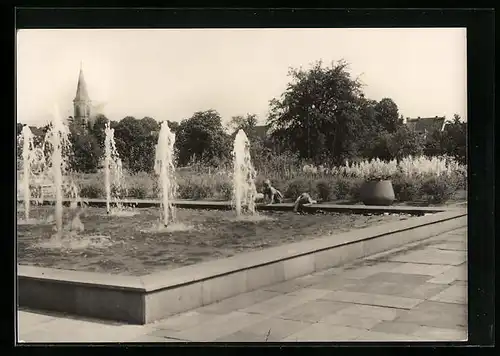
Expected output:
{"points": [[81, 89]]}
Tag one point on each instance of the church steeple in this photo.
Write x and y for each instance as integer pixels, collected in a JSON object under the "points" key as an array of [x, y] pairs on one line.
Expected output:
{"points": [[81, 89], [82, 103]]}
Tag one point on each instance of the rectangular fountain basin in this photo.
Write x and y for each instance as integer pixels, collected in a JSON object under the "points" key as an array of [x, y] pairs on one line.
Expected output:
{"points": [[144, 299]]}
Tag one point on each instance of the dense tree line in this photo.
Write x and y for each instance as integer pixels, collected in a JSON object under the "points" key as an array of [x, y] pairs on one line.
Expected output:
{"points": [[323, 117]]}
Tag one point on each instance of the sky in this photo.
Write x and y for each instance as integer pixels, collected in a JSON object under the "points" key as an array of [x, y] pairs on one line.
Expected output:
{"points": [[170, 74]]}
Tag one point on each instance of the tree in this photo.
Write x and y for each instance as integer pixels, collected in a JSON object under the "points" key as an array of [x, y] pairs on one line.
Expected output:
{"points": [[456, 139], [202, 138], [126, 132], [19, 147], [260, 147], [246, 123], [135, 142], [142, 154], [173, 125], [374, 142], [405, 142], [39, 134], [98, 129], [319, 114], [435, 144], [86, 153], [387, 115], [19, 128], [150, 124], [452, 141]]}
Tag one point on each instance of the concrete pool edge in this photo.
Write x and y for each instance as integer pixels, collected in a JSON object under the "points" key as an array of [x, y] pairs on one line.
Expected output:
{"points": [[141, 300], [225, 205]]}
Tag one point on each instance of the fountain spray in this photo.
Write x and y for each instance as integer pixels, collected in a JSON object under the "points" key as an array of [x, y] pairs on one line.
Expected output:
{"points": [[244, 190], [165, 169], [57, 137], [28, 148], [107, 158], [113, 172]]}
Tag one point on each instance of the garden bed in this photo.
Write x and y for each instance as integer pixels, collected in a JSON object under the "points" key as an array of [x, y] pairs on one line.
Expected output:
{"points": [[132, 245]]}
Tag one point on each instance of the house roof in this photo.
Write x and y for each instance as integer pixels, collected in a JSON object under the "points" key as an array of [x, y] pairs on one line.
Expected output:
{"points": [[426, 124], [261, 130], [37, 131]]}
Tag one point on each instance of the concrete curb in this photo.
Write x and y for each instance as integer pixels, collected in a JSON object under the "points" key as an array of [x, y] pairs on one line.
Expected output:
{"points": [[226, 205]]}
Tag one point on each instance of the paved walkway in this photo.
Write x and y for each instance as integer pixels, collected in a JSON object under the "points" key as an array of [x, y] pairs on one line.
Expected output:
{"points": [[418, 292]]}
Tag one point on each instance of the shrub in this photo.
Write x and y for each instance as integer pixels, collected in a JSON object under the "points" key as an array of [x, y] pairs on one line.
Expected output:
{"points": [[291, 178], [195, 188], [224, 190], [118, 191], [438, 189], [324, 190], [355, 189], [91, 191], [406, 188], [155, 189], [342, 188], [35, 191], [298, 186], [140, 185], [137, 192], [460, 176]]}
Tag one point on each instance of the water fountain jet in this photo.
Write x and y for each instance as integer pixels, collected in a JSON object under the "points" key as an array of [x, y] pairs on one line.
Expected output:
{"points": [[165, 169], [28, 148], [58, 137], [33, 164], [244, 190], [112, 171]]}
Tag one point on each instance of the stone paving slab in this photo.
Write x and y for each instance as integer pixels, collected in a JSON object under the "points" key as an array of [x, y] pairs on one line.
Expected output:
{"points": [[272, 329], [433, 256], [373, 299], [294, 284], [375, 336], [325, 332], [312, 311], [238, 302], [183, 321], [156, 339], [72, 330], [432, 334], [434, 319], [394, 277], [364, 271], [394, 327], [414, 293], [371, 311], [220, 326], [32, 321], [453, 294], [421, 269], [453, 274], [352, 321]]}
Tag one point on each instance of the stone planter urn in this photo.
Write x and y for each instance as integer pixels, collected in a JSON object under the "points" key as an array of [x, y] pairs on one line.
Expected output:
{"points": [[377, 192]]}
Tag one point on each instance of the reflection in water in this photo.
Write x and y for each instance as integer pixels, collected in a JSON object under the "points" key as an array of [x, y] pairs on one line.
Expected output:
{"points": [[252, 218], [73, 241], [159, 227]]}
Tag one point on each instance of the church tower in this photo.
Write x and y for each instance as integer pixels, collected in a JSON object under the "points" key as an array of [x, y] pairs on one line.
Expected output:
{"points": [[82, 103]]}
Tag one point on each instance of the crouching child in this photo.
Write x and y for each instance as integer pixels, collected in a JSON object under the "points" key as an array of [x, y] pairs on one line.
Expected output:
{"points": [[271, 194], [303, 200]]}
